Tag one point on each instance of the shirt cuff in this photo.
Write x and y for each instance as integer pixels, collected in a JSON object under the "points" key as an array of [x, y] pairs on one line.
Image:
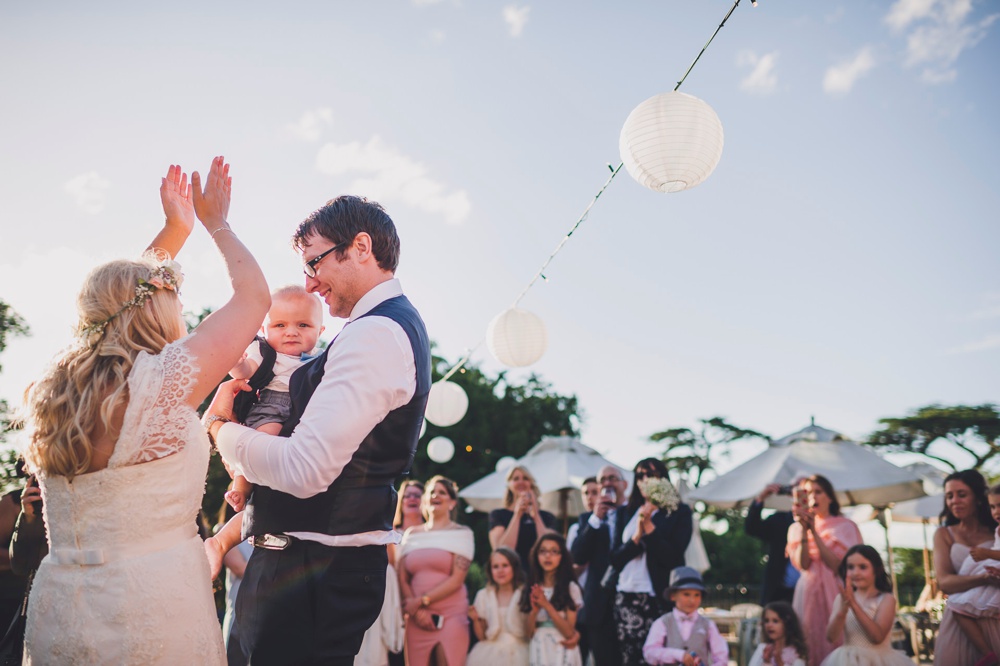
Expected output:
{"points": [[227, 441], [594, 521]]}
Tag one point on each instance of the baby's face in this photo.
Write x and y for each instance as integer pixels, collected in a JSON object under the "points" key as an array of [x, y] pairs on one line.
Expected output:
{"points": [[293, 324]]}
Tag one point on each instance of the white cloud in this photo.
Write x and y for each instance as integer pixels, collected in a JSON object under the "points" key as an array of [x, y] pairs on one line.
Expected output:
{"points": [[937, 32], [839, 79], [985, 344], [437, 36], [516, 18], [761, 80], [310, 126], [385, 173], [88, 190]]}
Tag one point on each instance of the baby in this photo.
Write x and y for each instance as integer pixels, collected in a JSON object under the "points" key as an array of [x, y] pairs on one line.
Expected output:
{"points": [[291, 328]]}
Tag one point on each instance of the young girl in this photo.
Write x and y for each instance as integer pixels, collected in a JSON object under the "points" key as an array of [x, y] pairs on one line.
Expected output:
{"points": [[983, 601], [784, 643], [551, 599], [496, 615], [864, 613]]}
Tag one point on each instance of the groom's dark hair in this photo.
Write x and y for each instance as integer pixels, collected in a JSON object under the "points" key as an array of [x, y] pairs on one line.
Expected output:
{"points": [[343, 218]]}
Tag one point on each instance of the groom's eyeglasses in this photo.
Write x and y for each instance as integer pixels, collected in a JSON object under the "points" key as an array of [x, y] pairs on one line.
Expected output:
{"points": [[309, 267]]}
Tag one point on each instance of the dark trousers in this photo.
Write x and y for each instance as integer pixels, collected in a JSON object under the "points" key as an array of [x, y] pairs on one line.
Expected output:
{"points": [[603, 640], [309, 603]]}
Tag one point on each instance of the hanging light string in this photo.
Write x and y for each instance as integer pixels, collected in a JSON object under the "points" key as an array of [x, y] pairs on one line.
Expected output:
{"points": [[614, 172]]}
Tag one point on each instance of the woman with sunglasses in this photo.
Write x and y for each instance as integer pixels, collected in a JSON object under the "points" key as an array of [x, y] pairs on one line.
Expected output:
{"points": [[653, 544]]}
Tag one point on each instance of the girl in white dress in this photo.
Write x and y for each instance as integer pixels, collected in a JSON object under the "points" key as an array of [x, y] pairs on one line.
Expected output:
{"points": [[113, 431], [496, 615], [982, 601], [784, 643], [864, 613], [551, 599]]}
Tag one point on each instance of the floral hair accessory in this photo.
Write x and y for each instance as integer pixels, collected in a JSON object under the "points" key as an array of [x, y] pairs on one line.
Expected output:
{"points": [[165, 275], [661, 493]]}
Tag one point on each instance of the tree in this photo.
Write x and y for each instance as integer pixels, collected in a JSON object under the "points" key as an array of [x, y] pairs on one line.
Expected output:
{"points": [[973, 429], [11, 324], [693, 452]]}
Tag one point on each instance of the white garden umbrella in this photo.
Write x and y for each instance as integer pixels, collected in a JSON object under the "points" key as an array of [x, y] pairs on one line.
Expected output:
{"points": [[559, 465], [858, 474]]}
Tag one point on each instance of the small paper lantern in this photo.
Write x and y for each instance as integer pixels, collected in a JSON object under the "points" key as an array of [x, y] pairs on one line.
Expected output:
{"points": [[671, 142], [446, 404], [517, 337], [440, 449], [506, 463]]}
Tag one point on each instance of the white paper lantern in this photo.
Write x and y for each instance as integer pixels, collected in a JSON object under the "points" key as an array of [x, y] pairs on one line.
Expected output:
{"points": [[517, 337], [446, 404], [506, 463], [671, 142], [440, 449]]}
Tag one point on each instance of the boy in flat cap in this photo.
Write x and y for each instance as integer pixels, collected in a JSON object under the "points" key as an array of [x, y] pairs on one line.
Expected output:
{"points": [[682, 636]]}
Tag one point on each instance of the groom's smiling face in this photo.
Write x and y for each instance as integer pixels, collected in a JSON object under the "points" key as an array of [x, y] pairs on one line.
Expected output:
{"points": [[336, 275]]}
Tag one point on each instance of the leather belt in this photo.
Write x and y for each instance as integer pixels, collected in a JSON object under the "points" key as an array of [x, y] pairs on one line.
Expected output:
{"points": [[271, 541]]}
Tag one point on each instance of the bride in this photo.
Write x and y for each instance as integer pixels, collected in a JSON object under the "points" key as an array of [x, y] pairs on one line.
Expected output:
{"points": [[114, 434]]}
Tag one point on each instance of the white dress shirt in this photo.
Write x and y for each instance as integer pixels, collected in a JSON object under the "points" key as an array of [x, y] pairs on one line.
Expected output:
{"points": [[370, 371], [634, 576]]}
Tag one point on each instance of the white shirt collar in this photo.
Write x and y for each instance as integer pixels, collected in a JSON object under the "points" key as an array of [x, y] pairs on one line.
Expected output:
{"points": [[377, 294]]}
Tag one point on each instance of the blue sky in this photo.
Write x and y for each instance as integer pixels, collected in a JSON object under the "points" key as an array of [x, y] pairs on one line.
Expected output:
{"points": [[840, 262]]}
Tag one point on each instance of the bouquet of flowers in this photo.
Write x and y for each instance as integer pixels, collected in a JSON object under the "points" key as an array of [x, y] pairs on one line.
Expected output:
{"points": [[661, 493]]}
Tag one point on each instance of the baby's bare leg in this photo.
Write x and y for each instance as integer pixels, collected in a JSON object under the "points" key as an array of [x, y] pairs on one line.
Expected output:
{"points": [[270, 429]]}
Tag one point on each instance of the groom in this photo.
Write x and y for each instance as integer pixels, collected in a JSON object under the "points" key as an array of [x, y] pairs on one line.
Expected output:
{"points": [[321, 514]]}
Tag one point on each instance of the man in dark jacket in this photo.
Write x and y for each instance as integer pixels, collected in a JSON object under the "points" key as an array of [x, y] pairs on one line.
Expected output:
{"points": [[779, 574]]}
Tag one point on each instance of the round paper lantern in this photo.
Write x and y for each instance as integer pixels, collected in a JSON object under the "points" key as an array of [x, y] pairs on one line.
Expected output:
{"points": [[446, 404], [671, 142], [506, 463], [440, 449], [517, 337]]}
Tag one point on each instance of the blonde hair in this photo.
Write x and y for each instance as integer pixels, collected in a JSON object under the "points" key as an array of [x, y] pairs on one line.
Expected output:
{"points": [[86, 384], [508, 499]]}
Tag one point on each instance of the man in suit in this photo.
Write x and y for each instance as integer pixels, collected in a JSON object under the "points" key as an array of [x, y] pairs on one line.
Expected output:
{"points": [[321, 513], [779, 574], [599, 532]]}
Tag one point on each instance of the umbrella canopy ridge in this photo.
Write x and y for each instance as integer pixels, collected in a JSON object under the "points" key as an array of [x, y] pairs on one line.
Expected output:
{"points": [[558, 464], [859, 475]]}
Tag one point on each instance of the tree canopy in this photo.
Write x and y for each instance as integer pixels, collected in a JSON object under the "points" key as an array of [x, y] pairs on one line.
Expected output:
{"points": [[693, 452], [11, 324], [925, 431]]}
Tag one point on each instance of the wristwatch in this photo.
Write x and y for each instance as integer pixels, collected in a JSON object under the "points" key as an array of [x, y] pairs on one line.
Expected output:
{"points": [[209, 420]]}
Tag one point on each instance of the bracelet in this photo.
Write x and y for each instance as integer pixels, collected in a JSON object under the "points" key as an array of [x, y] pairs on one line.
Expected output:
{"points": [[209, 420], [222, 229]]}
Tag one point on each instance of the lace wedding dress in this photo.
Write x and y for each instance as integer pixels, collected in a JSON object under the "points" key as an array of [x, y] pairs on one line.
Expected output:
{"points": [[126, 580]]}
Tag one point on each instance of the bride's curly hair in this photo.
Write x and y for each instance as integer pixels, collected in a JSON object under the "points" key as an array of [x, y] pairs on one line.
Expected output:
{"points": [[86, 385]]}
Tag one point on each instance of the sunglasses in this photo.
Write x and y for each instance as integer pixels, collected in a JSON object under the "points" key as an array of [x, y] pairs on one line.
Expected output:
{"points": [[309, 267], [646, 475]]}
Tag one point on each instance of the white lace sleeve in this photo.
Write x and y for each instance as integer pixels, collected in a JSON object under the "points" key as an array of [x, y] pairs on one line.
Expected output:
{"points": [[158, 420]]}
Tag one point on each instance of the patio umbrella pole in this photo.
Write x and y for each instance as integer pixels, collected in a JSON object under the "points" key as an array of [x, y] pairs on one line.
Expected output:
{"points": [[927, 556]]}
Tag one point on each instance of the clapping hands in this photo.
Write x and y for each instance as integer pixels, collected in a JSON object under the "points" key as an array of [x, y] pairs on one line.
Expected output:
{"points": [[175, 196]]}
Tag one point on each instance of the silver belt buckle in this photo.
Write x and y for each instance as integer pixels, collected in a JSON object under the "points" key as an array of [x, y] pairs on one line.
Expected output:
{"points": [[272, 541]]}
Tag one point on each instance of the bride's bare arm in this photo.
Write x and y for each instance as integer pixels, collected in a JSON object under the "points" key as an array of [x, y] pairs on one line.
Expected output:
{"points": [[221, 339], [178, 210]]}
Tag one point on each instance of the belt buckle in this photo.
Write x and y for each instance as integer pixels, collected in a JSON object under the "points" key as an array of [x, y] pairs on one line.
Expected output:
{"points": [[272, 541]]}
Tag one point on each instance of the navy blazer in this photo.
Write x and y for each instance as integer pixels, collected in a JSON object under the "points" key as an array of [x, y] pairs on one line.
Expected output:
{"points": [[592, 547], [664, 547], [773, 530]]}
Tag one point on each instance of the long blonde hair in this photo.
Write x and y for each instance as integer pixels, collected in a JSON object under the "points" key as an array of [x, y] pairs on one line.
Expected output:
{"points": [[87, 383], [508, 498]]}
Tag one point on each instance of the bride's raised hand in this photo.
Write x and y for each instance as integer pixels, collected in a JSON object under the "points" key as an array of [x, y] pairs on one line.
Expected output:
{"points": [[212, 203], [175, 196]]}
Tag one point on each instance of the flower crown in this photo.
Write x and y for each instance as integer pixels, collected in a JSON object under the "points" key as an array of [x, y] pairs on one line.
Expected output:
{"points": [[165, 275]]}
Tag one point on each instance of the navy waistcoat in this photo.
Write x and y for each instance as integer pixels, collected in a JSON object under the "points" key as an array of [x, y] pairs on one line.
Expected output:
{"points": [[363, 497]]}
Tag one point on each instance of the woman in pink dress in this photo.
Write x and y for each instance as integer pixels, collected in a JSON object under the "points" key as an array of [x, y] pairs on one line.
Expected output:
{"points": [[817, 541], [432, 561]]}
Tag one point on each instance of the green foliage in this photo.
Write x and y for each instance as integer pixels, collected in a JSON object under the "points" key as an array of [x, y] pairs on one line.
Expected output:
{"points": [[11, 324], [475, 580], [736, 557], [974, 429], [694, 452]]}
